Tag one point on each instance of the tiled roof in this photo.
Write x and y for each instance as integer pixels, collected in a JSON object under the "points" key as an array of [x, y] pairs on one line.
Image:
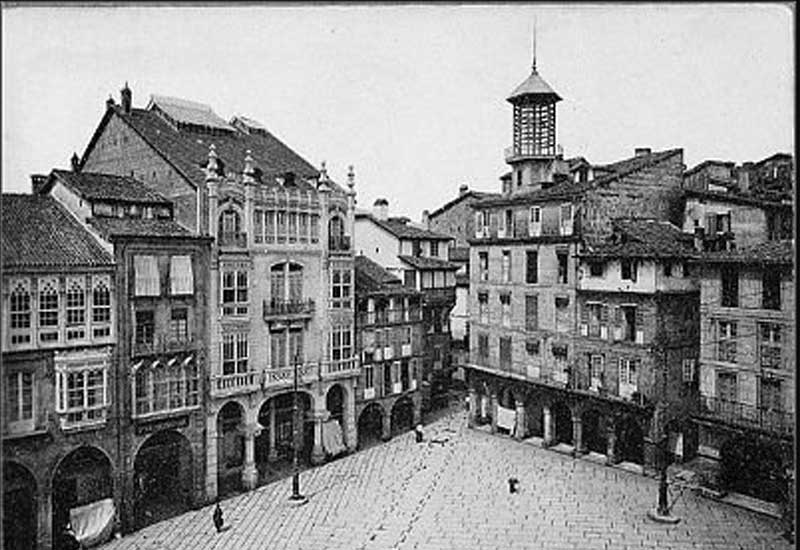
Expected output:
{"points": [[189, 112], [186, 148], [770, 252], [372, 277], [39, 232], [423, 262], [403, 230], [735, 198], [477, 195], [459, 254], [644, 238], [571, 189], [534, 85], [138, 227], [96, 186]]}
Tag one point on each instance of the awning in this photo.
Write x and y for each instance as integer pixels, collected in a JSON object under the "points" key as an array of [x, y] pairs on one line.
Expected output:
{"points": [[506, 418], [332, 438], [93, 523]]}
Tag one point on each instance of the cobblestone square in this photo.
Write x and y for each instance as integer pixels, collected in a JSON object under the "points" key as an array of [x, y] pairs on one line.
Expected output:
{"points": [[454, 494]]}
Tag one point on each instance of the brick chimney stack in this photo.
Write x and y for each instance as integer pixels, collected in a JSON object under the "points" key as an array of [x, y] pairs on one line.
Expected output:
{"points": [[381, 209], [37, 183], [126, 98], [463, 190], [75, 162]]}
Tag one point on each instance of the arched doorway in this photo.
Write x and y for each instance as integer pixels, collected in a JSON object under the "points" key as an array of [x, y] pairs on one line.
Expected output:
{"points": [[334, 402], [370, 425], [753, 467], [402, 416], [630, 441], [535, 418], [163, 477], [563, 419], [19, 507], [593, 432], [83, 477], [230, 448]]}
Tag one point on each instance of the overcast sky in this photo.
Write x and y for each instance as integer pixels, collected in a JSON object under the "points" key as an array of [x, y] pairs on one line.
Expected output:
{"points": [[412, 96]]}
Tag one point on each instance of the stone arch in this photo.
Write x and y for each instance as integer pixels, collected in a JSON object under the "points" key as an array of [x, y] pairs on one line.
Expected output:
{"points": [[231, 419], [629, 440], [281, 433], [20, 494], [370, 425], [562, 418], [82, 476], [534, 413], [594, 430], [402, 415], [335, 402], [507, 398], [163, 477]]}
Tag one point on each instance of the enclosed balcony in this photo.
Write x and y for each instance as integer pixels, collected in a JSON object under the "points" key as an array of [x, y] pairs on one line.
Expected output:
{"points": [[232, 240], [339, 244]]}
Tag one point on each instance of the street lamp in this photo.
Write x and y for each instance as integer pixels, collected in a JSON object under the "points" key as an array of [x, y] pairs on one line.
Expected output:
{"points": [[295, 466]]}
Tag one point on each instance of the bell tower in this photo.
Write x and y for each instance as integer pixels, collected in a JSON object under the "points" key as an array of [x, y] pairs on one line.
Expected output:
{"points": [[533, 156]]}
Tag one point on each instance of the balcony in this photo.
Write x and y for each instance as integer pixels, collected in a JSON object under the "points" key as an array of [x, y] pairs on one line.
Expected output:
{"points": [[232, 240], [340, 369], [162, 344], [747, 416], [389, 316], [288, 309], [439, 296], [525, 151], [284, 376], [339, 244], [224, 385]]}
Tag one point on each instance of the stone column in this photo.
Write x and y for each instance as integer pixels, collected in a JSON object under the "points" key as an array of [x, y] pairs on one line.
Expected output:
{"points": [[318, 452], [44, 517], [611, 435], [250, 472], [387, 425], [212, 450], [473, 408], [272, 453], [577, 436], [416, 411], [350, 429], [549, 436], [494, 406], [520, 429]]}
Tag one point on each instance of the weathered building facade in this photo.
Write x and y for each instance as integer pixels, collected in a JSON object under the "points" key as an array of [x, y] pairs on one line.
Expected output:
{"points": [[389, 341]]}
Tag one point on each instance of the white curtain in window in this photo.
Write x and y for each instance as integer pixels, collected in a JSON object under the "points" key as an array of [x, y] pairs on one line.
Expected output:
{"points": [[146, 275], [180, 275]]}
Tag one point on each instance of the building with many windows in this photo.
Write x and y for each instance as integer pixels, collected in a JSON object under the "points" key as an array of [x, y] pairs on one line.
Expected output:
{"points": [[389, 341], [281, 278], [418, 257], [61, 394], [746, 418]]}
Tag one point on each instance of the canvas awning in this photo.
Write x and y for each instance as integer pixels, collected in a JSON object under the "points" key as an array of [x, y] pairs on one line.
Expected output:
{"points": [[93, 523]]}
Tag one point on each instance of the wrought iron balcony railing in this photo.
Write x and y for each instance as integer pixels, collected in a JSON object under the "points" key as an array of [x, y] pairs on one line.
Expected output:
{"points": [[741, 414], [288, 308]]}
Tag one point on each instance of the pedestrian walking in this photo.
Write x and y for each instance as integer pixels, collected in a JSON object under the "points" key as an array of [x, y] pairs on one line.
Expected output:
{"points": [[418, 433], [219, 522], [512, 485]]}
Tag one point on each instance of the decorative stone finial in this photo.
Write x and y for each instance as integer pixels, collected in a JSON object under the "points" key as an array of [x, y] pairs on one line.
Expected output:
{"points": [[351, 177], [323, 172], [212, 165], [249, 163]]}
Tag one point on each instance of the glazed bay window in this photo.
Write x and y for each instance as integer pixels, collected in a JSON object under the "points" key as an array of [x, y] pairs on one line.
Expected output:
{"points": [[258, 226], [341, 289], [234, 292], [81, 391], [20, 311], [234, 353], [341, 343], [164, 386], [146, 276], [483, 307], [76, 309], [281, 221], [19, 401], [726, 341], [769, 345], [531, 266], [269, 226], [48, 309], [101, 306]]}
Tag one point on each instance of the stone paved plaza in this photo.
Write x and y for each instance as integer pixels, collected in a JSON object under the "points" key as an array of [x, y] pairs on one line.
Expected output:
{"points": [[453, 494]]}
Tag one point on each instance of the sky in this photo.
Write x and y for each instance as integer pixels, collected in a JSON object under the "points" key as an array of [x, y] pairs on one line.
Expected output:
{"points": [[412, 96]]}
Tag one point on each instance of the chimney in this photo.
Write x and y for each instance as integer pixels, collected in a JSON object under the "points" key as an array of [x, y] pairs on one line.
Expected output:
{"points": [[463, 190], [426, 220], [642, 151], [126, 97], [381, 209], [743, 178], [38, 182], [75, 162], [699, 238], [110, 102]]}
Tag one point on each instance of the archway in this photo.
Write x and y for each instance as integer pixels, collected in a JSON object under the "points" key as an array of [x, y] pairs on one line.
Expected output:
{"points": [[753, 467], [370, 425], [334, 402], [563, 419], [83, 477], [19, 507], [593, 426], [274, 450], [402, 415], [163, 477], [630, 441], [535, 418], [230, 448]]}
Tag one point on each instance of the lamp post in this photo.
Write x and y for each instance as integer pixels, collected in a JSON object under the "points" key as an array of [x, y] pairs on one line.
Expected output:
{"points": [[295, 466]]}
